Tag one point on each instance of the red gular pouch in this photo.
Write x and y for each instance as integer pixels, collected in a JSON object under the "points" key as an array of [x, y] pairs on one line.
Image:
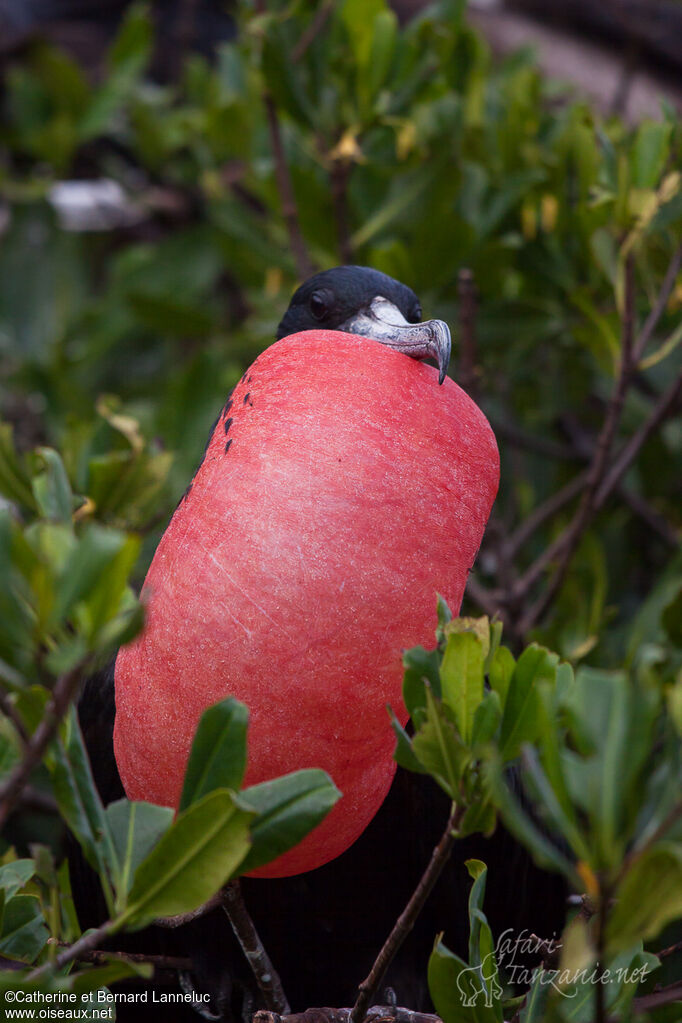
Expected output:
{"points": [[341, 490]]}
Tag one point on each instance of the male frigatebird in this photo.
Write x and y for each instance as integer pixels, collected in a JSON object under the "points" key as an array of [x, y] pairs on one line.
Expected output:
{"points": [[324, 925]]}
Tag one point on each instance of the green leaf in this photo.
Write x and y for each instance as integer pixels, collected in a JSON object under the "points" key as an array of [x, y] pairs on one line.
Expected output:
{"points": [[87, 566], [649, 897], [517, 821], [135, 829], [15, 481], [650, 153], [439, 748], [24, 934], [52, 490], [501, 671], [404, 754], [191, 862], [76, 794], [486, 719], [287, 809], [535, 1005], [520, 721], [421, 666], [218, 756], [459, 992], [15, 875], [461, 676]]}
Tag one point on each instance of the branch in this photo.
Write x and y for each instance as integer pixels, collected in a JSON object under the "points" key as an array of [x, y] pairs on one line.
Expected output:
{"points": [[468, 360], [664, 996], [569, 540], [312, 31], [659, 306], [181, 919], [529, 442], [267, 978], [405, 921], [10, 712], [339, 174], [63, 693], [377, 1014], [631, 449], [102, 956], [89, 941], [304, 266]]}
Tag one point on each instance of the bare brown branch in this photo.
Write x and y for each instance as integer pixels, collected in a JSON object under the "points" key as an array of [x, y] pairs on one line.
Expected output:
{"points": [[267, 978], [312, 31], [405, 921], [285, 188], [63, 693], [377, 1014], [468, 358]]}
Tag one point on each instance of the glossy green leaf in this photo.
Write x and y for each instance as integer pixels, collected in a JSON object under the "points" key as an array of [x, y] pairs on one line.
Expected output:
{"points": [[135, 829], [439, 748], [24, 934], [461, 675], [218, 756], [76, 794], [15, 875], [191, 862], [457, 990], [520, 721], [287, 809], [649, 897]]}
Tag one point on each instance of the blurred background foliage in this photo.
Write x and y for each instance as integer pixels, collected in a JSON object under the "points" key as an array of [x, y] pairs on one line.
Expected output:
{"points": [[155, 216], [126, 315]]}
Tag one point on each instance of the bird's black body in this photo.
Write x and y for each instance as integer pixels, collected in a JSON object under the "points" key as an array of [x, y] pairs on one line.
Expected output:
{"points": [[323, 929]]}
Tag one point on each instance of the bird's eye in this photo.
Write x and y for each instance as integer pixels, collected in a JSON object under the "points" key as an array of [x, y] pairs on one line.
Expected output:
{"points": [[415, 313], [318, 305]]}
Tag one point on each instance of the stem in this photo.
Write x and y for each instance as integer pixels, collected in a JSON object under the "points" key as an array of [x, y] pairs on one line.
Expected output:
{"points": [[304, 266], [339, 175], [405, 921], [86, 944], [312, 31], [468, 361], [63, 693], [267, 978], [570, 539], [600, 993]]}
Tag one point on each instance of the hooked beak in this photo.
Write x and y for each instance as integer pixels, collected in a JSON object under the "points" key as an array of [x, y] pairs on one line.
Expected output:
{"points": [[384, 322]]}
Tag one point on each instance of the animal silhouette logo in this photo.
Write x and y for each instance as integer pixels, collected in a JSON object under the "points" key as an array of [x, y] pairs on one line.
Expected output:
{"points": [[479, 984]]}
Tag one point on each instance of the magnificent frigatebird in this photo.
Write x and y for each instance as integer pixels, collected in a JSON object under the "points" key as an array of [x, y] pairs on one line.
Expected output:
{"points": [[324, 927]]}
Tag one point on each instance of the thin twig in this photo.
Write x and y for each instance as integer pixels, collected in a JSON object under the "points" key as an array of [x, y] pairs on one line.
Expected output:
{"points": [[100, 956], [63, 693], [10, 712], [571, 537], [89, 941], [659, 306], [339, 175], [267, 978], [468, 358], [304, 266], [547, 510], [664, 996], [312, 31], [486, 600], [172, 922], [530, 442], [405, 921], [631, 449]]}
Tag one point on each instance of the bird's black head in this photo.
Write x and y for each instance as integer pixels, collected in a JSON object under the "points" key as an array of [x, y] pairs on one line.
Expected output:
{"points": [[363, 301]]}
